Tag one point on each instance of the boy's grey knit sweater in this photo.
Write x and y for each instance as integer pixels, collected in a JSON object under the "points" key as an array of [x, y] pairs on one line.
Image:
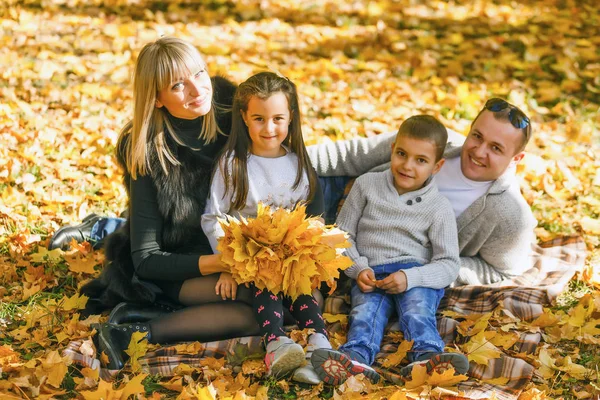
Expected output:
{"points": [[386, 227]]}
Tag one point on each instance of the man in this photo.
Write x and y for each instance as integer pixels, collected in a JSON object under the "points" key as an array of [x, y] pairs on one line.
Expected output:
{"points": [[495, 223]]}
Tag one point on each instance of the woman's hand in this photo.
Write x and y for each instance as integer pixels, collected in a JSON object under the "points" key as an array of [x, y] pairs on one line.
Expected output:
{"points": [[226, 286], [366, 281]]}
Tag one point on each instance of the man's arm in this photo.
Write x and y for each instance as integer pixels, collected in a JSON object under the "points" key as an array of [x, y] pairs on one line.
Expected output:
{"points": [[352, 157], [348, 220], [358, 156], [503, 256]]}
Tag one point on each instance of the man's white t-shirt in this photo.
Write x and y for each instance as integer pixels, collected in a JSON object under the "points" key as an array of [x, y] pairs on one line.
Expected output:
{"points": [[460, 190]]}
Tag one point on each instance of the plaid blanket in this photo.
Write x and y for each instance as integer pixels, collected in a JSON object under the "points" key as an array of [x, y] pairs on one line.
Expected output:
{"points": [[553, 264]]}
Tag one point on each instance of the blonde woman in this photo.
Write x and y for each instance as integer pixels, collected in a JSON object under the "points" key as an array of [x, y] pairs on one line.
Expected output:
{"points": [[161, 254]]}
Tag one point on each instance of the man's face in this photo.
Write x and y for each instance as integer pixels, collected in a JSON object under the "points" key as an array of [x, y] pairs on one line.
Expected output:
{"points": [[490, 148]]}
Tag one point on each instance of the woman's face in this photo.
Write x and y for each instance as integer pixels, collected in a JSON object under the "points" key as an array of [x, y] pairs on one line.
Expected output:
{"points": [[188, 97]]}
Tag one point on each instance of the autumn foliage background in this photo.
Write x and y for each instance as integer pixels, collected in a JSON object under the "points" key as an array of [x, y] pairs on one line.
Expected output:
{"points": [[361, 68]]}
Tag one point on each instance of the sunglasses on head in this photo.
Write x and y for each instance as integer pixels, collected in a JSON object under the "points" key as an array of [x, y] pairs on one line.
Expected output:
{"points": [[517, 118]]}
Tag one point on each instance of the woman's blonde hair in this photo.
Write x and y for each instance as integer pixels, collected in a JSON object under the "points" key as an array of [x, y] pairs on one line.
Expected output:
{"points": [[159, 64]]}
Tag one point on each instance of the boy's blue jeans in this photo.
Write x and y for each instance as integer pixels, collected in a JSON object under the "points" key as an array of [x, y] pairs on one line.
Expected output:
{"points": [[370, 313]]}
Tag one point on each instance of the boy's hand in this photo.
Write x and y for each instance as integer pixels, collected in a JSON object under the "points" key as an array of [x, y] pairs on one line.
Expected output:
{"points": [[226, 286], [394, 283], [366, 281]]}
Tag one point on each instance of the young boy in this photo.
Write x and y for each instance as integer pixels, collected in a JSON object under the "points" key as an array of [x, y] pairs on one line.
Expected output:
{"points": [[405, 251]]}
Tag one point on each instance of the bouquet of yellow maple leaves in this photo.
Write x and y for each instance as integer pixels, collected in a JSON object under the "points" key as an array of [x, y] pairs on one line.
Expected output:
{"points": [[283, 251]]}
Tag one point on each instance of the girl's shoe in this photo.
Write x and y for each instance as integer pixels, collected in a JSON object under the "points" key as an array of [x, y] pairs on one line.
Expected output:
{"points": [[283, 356], [439, 363], [334, 367], [307, 373]]}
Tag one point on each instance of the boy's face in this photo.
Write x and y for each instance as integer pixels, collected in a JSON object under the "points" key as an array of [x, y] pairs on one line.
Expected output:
{"points": [[413, 161]]}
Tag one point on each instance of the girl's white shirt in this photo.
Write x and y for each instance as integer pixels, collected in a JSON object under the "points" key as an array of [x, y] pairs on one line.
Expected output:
{"points": [[270, 181]]}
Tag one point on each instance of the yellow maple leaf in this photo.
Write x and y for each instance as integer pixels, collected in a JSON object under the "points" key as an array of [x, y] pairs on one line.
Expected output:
{"points": [[418, 377], [283, 251], [91, 373], [473, 326], [505, 340], [55, 368], [175, 383], [43, 255], [80, 264], [577, 371], [546, 319], [398, 395], [138, 346], [75, 302], [333, 318], [396, 358], [104, 391], [104, 358], [206, 393], [590, 327], [189, 348], [480, 350], [134, 386], [580, 313], [446, 378], [254, 367], [533, 394], [213, 363], [548, 366]]}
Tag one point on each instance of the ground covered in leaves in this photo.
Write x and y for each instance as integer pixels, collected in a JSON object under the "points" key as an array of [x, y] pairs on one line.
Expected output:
{"points": [[361, 68]]}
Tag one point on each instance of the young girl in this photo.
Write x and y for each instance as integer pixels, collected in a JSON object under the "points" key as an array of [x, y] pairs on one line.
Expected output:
{"points": [[265, 161]]}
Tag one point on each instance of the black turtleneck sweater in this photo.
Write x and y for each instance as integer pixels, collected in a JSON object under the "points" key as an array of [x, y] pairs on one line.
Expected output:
{"points": [[150, 260]]}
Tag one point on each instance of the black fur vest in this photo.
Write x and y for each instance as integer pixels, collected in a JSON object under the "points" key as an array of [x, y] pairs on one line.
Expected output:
{"points": [[181, 197]]}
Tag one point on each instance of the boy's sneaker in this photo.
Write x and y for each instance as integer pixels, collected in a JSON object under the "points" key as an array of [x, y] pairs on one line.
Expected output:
{"points": [[334, 367], [283, 356], [439, 363]]}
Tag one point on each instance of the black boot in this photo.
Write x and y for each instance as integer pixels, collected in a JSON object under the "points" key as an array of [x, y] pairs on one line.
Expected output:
{"points": [[114, 340], [124, 313], [82, 232]]}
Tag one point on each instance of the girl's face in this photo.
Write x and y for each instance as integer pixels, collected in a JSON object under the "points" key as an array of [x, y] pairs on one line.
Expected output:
{"points": [[268, 121], [188, 97]]}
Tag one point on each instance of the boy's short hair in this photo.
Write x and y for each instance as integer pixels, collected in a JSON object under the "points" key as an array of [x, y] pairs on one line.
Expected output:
{"points": [[426, 127]]}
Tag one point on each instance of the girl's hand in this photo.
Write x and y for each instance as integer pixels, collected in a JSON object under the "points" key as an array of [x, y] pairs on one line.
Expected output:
{"points": [[394, 283], [366, 281], [226, 286]]}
